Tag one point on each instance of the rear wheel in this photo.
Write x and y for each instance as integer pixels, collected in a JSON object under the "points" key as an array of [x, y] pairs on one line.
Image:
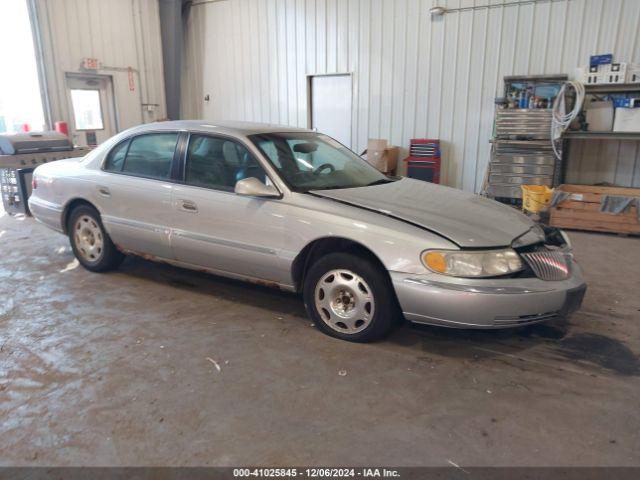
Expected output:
{"points": [[90, 242], [349, 297]]}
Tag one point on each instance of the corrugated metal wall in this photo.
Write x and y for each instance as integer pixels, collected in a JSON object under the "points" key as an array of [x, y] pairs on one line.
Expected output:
{"points": [[414, 76], [120, 34]]}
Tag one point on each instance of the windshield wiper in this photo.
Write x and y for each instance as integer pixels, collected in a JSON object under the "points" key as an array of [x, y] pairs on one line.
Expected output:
{"points": [[333, 187], [340, 187], [382, 181]]}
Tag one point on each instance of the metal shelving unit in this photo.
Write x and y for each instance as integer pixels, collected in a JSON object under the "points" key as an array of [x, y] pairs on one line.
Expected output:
{"points": [[605, 89], [602, 135], [521, 150], [582, 212], [613, 88]]}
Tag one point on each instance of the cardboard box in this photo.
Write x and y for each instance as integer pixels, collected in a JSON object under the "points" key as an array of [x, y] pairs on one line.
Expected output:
{"points": [[617, 73], [633, 73], [381, 155], [604, 74], [627, 120], [600, 116], [590, 75], [377, 144]]}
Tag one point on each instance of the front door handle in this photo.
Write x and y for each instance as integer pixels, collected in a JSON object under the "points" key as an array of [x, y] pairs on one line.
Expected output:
{"points": [[104, 191], [188, 206]]}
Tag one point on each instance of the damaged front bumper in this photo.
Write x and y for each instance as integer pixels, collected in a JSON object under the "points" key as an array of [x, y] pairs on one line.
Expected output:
{"points": [[435, 299]]}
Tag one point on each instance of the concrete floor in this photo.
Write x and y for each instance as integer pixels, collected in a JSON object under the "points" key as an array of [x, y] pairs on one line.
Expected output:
{"points": [[118, 369]]}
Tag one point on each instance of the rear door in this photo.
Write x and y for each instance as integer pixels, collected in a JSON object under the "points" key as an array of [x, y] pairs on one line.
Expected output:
{"points": [[217, 229], [134, 193]]}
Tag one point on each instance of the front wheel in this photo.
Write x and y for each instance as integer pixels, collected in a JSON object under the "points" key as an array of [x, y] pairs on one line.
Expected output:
{"points": [[350, 297], [90, 242]]}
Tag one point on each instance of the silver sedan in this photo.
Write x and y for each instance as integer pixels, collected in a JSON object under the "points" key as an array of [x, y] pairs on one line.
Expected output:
{"points": [[296, 210]]}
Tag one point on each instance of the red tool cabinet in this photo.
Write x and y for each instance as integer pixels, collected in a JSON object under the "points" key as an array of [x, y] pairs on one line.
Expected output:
{"points": [[424, 161]]}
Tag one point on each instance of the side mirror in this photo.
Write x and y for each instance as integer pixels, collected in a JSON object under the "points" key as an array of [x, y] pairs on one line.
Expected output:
{"points": [[252, 187]]}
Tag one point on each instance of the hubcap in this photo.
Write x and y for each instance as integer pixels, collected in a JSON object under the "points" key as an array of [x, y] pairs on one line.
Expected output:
{"points": [[344, 301], [88, 238]]}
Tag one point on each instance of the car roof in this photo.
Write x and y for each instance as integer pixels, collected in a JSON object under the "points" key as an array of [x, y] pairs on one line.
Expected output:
{"points": [[224, 127]]}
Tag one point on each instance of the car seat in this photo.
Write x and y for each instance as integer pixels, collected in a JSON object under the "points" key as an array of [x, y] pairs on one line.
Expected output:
{"points": [[241, 162], [207, 166]]}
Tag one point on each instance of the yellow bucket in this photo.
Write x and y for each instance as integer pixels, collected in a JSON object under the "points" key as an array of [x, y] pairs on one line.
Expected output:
{"points": [[535, 197]]}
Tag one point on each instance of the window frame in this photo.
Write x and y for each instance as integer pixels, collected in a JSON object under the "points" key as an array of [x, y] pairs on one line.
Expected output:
{"points": [[174, 160], [182, 168]]}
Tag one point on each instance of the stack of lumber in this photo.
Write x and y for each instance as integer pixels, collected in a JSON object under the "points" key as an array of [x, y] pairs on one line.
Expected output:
{"points": [[581, 211]]}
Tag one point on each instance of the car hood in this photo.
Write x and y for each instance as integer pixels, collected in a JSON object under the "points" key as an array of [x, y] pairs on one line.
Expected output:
{"points": [[464, 218]]}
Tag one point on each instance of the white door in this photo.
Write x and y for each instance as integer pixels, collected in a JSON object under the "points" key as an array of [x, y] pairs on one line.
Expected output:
{"points": [[331, 106], [91, 107]]}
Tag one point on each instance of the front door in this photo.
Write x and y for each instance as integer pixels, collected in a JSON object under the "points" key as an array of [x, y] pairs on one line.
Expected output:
{"points": [[92, 109], [218, 229]]}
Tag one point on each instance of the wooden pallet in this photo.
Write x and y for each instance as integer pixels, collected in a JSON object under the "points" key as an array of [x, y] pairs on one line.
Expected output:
{"points": [[582, 210]]}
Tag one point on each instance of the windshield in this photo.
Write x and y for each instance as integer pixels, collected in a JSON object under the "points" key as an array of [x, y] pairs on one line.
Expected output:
{"points": [[312, 161]]}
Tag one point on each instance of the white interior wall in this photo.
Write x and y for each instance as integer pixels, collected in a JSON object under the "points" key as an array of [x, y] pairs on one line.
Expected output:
{"points": [[120, 34], [414, 76]]}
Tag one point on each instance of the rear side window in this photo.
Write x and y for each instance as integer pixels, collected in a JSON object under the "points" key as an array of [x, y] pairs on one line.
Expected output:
{"points": [[151, 155], [115, 159]]}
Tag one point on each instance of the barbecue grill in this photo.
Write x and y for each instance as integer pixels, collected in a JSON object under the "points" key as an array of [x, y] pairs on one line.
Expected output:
{"points": [[20, 154]]}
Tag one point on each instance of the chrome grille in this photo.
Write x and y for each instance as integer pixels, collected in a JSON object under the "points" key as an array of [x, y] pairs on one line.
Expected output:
{"points": [[548, 264]]}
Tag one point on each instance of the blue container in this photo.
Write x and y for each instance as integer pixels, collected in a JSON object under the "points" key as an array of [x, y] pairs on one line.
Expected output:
{"points": [[605, 59]]}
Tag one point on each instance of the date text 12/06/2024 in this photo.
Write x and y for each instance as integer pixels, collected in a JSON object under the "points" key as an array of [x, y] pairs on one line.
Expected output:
{"points": [[315, 473]]}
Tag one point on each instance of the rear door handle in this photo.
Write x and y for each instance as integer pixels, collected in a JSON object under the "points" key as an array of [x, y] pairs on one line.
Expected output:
{"points": [[188, 206], [104, 191]]}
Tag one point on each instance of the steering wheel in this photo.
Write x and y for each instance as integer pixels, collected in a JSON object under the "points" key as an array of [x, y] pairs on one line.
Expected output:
{"points": [[324, 166]]}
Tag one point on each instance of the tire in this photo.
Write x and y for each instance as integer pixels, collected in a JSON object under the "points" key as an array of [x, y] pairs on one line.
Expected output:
{"points": [[350, 297], [90, 242]]}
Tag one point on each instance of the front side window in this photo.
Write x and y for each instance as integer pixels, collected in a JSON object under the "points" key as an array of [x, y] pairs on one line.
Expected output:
{"points": [[219, 163], [151, 155], [312, 161]]}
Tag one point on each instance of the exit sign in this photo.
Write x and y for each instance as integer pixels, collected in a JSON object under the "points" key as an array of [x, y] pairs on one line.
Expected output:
{"points": [[90, 63]]}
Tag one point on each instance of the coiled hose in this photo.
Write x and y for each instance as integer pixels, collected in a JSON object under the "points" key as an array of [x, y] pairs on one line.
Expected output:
{"points": [[560, 120]]}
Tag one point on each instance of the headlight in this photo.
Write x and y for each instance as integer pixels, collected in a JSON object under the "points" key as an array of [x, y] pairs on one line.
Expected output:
{"points": [[479, 263]]}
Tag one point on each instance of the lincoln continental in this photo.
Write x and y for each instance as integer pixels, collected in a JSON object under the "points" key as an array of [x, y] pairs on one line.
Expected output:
{"points": [[295, 209]]}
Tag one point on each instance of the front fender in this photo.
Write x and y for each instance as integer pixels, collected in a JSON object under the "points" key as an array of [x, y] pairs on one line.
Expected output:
{"points": [[397, 244]]}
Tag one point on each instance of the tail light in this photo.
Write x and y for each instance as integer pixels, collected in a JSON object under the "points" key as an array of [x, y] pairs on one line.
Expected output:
{"points": [[34, 183]]}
